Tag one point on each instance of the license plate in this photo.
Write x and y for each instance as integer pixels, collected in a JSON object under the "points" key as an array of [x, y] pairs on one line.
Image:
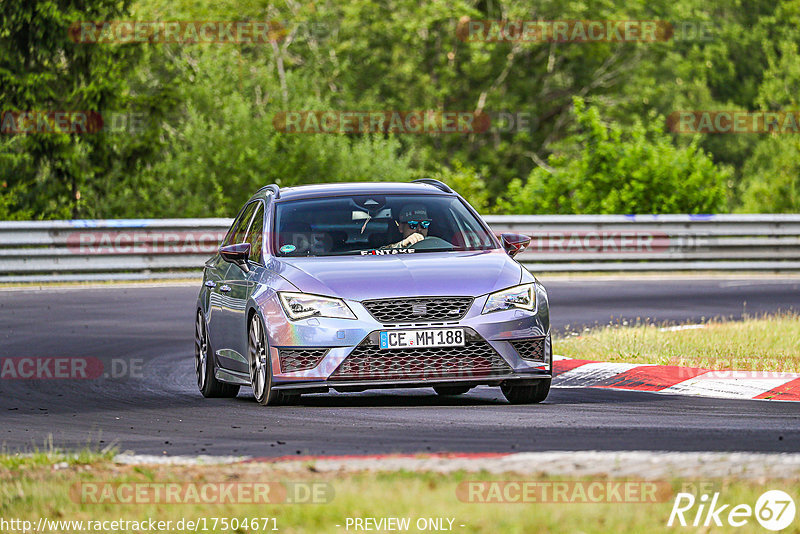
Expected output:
{"points": [[434, 337]]}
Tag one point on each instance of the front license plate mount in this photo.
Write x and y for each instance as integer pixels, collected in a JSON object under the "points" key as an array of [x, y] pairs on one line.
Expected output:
{"points": [[421, 338]]}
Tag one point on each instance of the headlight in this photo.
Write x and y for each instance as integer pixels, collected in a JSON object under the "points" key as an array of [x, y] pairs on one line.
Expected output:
{"points": [[300, 306], [523, 297]]}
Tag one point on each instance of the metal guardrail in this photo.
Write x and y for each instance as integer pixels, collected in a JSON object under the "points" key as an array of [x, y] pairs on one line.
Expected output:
{"points": [[112, 249], [656, 242], [170, 248]]}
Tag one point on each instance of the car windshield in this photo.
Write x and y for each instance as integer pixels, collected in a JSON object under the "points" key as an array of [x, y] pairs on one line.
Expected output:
{"points": [[377, 224]]}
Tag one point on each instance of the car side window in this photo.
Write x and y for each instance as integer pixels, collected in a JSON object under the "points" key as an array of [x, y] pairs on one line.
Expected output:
{"points": [[241, 225], [229, 236], [470, 235], [255, 236], [228, 240]]}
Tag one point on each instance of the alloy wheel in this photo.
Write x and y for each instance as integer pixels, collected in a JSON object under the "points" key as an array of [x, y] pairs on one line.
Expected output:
{"points": [[259, 367], [200, 350]]}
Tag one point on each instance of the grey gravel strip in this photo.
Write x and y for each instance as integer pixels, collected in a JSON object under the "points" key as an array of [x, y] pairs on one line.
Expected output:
{"points": [[645, 464], [127, 458]]}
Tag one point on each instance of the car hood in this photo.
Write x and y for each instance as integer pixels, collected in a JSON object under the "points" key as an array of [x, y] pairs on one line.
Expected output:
{"points": [[469, 273]]}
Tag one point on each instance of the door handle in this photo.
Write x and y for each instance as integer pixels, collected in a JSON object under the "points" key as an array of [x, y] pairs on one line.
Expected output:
{"points": [[225, 288], [211, 284]]}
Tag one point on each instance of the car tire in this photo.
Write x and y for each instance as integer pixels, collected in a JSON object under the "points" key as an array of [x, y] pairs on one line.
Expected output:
{"points": [[527, 394], [449, 391], [261, 366], [207, 383]]}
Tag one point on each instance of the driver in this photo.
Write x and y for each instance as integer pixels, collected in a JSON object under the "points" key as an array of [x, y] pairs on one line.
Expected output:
{"points": [[413, 222]]}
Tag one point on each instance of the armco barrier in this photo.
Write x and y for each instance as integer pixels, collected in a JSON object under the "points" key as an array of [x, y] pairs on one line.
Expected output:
{"points": [[169, 248], [656, 242], [107, 249]]}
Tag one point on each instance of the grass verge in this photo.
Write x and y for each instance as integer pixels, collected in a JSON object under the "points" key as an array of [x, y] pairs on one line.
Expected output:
{"points": [[49, 456], [35, 490], [764, 343]]}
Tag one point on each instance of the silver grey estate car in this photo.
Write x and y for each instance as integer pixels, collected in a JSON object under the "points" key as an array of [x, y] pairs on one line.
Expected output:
{"points": [[356, 286]]}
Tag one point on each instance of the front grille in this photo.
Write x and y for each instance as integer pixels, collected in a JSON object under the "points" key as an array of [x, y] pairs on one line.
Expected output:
{"points": [[418, 310], [477, 359], [300, 359], [529, 349]]}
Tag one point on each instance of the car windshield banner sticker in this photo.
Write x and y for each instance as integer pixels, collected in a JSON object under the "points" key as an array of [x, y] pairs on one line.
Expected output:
{"points": [[381, 252]]}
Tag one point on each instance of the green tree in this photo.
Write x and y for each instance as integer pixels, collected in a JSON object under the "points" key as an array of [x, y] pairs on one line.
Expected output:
{"points": [[10, 209], [208, 141], [468, 182], [222, 144], [43, 70], [610, 169], [772, 177]]}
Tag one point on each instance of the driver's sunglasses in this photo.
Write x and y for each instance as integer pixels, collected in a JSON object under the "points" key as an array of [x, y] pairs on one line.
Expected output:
{"points": [[424, 224]]}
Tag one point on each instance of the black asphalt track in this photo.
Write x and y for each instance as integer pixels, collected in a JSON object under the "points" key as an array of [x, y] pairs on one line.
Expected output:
{"points": [[159, 410]]}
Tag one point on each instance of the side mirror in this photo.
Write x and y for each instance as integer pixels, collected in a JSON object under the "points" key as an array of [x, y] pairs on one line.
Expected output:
{"points": [[238, 254], [513, 244]]}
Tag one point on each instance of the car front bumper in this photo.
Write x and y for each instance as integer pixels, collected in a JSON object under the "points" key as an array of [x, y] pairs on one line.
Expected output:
{"points": [[489, 359]]}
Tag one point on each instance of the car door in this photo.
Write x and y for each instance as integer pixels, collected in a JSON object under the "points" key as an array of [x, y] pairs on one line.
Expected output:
{"points": [[238, 286], [216, 274], [223, 330]]}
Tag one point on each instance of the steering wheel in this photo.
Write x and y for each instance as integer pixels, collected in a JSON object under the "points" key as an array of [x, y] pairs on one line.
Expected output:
{"points": [[431, 242]]}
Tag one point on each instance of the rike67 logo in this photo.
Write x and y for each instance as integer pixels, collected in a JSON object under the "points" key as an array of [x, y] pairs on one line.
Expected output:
{"points": [[774, 510]]}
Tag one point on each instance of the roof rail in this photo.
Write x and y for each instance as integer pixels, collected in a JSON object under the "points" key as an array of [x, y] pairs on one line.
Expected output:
{"points": [[436, 183], [276, 191]]}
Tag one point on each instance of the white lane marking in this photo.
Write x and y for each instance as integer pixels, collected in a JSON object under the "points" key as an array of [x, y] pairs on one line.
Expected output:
{"points": [[736, 386], [592, 373], [681, 327], [757, 375], [740, 283]]}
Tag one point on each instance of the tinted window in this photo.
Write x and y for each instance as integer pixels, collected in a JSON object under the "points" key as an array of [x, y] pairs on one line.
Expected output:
{"points": [[255, 236], [352, 225]]}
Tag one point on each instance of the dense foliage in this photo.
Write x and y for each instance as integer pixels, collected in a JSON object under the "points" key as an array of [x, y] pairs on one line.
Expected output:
{"points": [[575, 127], [612, 169]]}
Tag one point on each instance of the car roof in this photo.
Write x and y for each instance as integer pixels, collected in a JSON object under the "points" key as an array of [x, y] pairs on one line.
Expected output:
{"points": [[354, 188]]}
